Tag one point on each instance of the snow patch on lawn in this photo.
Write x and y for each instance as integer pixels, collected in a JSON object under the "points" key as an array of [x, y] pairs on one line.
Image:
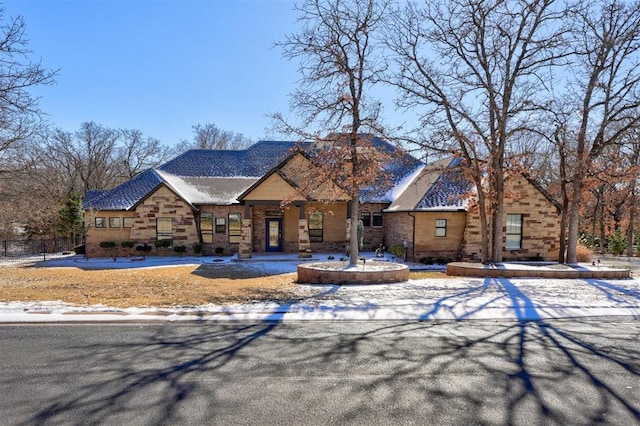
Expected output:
{"points": [[425, 299]]}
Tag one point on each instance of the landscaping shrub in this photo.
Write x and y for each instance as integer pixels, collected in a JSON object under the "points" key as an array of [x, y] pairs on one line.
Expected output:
{"points": [[583, 253], [180, 249], [107, 244], [197, 248], [396, 250], [127, 244], [145, 248], [219, 250], [426, 261], [81, 249], [162, 243]]}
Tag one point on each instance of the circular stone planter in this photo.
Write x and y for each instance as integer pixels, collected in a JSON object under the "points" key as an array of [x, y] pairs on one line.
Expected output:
{"points": [[341, 273]]}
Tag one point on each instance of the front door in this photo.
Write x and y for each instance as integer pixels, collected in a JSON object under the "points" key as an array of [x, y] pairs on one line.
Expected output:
{"points": [[274, 234]]}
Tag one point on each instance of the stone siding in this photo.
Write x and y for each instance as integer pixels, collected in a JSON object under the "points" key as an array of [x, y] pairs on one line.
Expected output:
{"points": [[540, 224], [165, 203]]}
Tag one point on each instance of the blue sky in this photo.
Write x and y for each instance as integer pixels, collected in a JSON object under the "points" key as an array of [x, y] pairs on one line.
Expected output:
{"points": [[162, 66]]}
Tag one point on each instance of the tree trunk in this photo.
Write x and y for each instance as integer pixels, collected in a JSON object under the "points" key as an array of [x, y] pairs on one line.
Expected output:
{"points": [[632, 218], [353, 235], [497, 209], [574, 221]]}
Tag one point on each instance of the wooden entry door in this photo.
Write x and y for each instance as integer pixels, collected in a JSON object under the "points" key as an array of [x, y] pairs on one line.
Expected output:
{"points": [[274, 234]]}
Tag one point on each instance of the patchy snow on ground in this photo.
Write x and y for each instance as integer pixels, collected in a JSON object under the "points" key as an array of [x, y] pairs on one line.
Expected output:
{"points": [[452, 298]]}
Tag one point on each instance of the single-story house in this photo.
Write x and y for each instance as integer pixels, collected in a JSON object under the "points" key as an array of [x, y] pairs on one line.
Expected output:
{"points": [[247, 201]]}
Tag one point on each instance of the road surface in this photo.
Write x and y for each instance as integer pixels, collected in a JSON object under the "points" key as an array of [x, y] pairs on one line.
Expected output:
{"points": [[578, 372]]}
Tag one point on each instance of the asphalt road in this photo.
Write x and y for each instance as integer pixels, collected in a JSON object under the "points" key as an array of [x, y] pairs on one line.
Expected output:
{"points": [[577, 372]]}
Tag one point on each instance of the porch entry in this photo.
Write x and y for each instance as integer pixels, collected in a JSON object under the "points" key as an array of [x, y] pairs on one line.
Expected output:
{"points": [[274, 234]]}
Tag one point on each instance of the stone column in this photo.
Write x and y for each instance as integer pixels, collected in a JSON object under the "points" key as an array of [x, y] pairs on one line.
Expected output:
{"points": [[304, 245], [245, 247], [348, 237]]}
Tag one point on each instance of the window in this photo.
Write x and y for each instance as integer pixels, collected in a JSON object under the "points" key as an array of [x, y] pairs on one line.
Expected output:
{"points": [[514, 232], [365, 217], [235, 227], [206, 227], [101, 222], [127, 222], [114, 222], [377, 218], [441, 227], [315, 227], [164, 228], [221, 225]]}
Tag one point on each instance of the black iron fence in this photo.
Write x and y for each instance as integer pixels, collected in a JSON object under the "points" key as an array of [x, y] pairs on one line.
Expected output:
{"points": [[43, 248]]}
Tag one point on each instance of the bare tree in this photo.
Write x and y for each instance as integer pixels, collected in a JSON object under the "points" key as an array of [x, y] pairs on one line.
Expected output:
{"points": [[210, 136], [605, 90], [19, 113], [478, 70], [136, 153], [98, 157], [339, 64]]}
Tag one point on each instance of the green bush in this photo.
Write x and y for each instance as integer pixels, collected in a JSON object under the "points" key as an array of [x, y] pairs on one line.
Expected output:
{"points": [[127, 244], [180, 249], [81, 249], [617, 243], [197, 248], [397, 250], [162, 243], [219, 250], [107, 244], [145, 248]]}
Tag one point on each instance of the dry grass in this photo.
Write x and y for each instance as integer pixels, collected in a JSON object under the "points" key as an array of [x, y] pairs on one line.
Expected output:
{"points": [[161, 286]]}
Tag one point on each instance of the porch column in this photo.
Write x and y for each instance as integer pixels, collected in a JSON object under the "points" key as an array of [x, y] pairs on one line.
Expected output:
{"points": [[304, 245], [245, 248], [348, 237]]}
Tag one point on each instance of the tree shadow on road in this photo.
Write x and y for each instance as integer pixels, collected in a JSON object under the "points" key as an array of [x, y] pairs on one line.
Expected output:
{"points": [[525, 371]]}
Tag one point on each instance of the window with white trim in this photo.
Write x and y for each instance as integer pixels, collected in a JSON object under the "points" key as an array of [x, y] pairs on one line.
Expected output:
{"points": [[441, 227], [514, 232]]}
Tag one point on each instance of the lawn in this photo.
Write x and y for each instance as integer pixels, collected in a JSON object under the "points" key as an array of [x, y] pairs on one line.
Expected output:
{"points": [[188, 285]]}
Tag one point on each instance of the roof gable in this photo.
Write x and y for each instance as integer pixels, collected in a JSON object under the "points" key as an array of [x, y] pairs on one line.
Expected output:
{"points": [[439, 185], [126, 195]]}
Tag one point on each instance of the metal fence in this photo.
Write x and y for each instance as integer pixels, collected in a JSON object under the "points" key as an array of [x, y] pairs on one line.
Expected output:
{"points": [[41, 249]]}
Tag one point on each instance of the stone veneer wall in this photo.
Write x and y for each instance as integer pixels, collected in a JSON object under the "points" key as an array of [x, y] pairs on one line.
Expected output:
{"points": [[541, 224], [164, 203], [304, 246], [245, 247]]}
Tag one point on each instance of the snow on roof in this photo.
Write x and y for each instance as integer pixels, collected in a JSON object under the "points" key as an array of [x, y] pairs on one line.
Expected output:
{"points": [[404, 183], [208, 190], [438, 186]]}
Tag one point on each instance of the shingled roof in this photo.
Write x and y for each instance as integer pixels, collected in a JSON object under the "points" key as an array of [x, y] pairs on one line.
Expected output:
{"points": [[200, 176], [437, 186], [220, 176], [126, 195]]}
